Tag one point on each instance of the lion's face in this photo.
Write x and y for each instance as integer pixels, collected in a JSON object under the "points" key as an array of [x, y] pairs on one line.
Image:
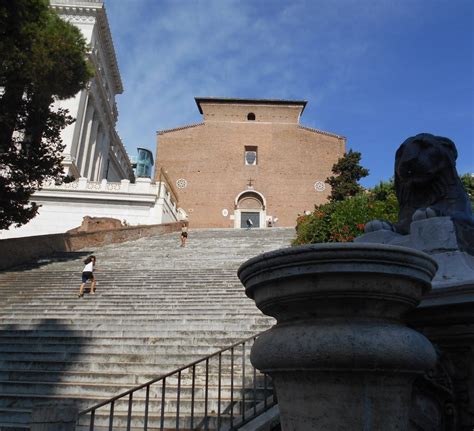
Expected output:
{"points": [[422, 157]]}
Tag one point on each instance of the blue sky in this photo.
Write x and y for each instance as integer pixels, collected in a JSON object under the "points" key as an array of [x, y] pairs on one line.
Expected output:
{"points": [[374, 71]]}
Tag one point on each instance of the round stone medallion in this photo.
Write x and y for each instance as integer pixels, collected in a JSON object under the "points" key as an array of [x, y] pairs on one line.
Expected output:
{"points": [[319, 186], [181, 183]]}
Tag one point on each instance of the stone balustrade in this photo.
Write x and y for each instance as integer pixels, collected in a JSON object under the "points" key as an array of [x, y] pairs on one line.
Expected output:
{"points": [[63, 206]]}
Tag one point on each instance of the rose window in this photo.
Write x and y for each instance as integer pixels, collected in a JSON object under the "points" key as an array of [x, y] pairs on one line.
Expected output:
{"points": [[319, 186], [181, 183]]}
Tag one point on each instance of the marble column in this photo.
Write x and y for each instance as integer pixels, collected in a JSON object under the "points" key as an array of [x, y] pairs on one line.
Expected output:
{"points": [[89, 149], [104, 157], [340, 355], [84, 135], [91, 174], [82, 104]]}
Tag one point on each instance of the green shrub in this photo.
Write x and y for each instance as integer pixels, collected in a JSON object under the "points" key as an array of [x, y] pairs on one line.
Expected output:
{"points": [[344, 220], [468, 183]]}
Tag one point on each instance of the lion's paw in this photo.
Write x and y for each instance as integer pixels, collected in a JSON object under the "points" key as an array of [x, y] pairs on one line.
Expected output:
{"points": [[375, 225], [424, 213]]}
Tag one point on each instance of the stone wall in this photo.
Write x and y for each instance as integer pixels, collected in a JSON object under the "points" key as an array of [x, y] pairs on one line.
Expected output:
{"points": [[63, 207], [94, 224], [17, 251]]}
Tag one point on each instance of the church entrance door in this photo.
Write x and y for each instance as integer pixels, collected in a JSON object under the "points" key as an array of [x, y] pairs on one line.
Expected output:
{"points": [[249, 204], [255, 217]]}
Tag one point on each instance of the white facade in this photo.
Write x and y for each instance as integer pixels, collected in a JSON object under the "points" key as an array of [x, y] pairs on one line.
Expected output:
{"points": [[63, 207], [93, 148], [94, 153]]}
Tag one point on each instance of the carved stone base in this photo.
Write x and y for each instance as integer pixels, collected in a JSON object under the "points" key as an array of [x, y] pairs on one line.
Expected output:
{"points": [[436, 237], [340, 356], [451, 387], [443, 400], [338, 401]]}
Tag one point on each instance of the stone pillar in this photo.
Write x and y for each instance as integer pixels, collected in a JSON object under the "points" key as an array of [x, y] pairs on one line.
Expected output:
{"points": [[340, 357], [124, 185], [84, 135], [88, 135], [56, 417], [80, 114], [92, 155], [82, 183]]}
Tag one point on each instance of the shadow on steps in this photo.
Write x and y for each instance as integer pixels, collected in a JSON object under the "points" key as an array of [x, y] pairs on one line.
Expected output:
{"points": [[33, 374]]}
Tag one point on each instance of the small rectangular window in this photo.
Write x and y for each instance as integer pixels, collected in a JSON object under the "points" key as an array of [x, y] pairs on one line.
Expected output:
{"points": [[250, 155]]}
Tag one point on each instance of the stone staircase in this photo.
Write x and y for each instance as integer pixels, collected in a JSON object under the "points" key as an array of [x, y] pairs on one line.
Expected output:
{"points": [[157, 307]]}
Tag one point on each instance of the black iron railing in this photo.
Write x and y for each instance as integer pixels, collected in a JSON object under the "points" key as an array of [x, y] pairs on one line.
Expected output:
{"points": [[221, 391]]}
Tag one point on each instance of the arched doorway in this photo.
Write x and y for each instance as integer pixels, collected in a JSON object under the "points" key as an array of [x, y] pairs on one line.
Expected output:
{"points": [[249, 204]]}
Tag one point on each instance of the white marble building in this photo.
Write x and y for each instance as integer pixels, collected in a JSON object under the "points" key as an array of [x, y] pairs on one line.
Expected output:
{"points": [[93, 148], [94, 153], [62, 207]]}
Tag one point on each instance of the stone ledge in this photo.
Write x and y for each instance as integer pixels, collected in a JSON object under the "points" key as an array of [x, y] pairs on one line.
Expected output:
{"points": [[437, 237], [17, 251]]}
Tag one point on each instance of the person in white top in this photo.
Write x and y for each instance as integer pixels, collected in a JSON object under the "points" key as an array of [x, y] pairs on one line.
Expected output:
{"points": [[88, 274]]}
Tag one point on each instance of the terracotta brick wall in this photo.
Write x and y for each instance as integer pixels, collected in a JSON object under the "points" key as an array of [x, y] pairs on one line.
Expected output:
{"points": [[210, 157]]}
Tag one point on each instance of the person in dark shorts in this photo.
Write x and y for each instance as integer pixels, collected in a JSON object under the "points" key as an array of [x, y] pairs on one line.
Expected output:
{"points": [[184, 234], [88, 274]]}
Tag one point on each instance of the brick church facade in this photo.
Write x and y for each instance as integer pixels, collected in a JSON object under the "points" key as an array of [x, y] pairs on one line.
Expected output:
{"points": [[248, 159]]}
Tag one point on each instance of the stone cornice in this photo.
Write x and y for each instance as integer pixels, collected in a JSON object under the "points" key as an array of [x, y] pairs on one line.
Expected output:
{"points": [[176, 129], [104, 31], [322, 132], [92, 11], [74, 3], [249, 102]]}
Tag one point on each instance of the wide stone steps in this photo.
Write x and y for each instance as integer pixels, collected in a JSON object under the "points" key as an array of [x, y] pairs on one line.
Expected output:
{"points": [[104, 390], [157, 307], [52, 376], [191, 335], [202, 350]]}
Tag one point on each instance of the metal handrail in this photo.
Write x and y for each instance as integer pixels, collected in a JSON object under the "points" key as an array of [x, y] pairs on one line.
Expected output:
{"points": [[245, 416]]}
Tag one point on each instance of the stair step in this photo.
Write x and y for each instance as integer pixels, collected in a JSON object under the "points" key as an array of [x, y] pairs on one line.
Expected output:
{"points": [[157, 307]]}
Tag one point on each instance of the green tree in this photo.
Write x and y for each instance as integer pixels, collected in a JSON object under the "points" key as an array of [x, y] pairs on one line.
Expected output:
{"points": [[468, 183], [348, 172], [42, 60], [383, 190]]}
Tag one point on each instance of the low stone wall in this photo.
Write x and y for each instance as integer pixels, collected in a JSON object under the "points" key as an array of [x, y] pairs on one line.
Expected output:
{"points": [[16, 251], [63, 207]]}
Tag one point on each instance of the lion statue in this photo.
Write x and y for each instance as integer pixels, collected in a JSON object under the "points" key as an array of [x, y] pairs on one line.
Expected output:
{"points": [[427, 185]]}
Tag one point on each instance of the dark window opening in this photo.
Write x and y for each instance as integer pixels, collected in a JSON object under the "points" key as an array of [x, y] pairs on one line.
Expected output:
{"points": [[251, 116]]}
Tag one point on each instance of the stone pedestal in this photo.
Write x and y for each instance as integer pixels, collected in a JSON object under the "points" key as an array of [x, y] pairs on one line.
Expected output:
{"points": [[443, 400], [437, 237], [339, 355]]}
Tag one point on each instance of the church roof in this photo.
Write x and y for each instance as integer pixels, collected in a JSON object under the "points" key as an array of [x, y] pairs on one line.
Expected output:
{"points": [[227, 101]]}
